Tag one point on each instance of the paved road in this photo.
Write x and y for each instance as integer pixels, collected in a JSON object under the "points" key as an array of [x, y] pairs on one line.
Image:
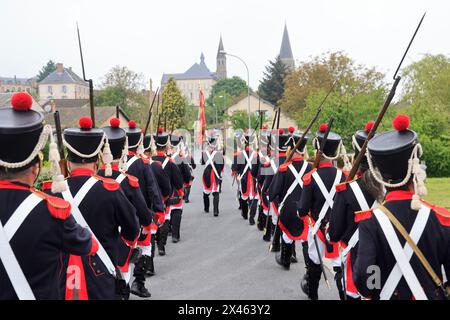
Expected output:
{"points": [[223, 257]]}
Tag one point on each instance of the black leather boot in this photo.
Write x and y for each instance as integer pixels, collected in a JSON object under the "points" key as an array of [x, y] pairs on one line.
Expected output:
{"points": [[244, 208], [284, 258], [150, 267], [261, 219], [176, 224], [253, 208], [206, 202], [138, 288], [122, 290], [276, 246], [314, 275], [216, 204], [339, 283], [268, 231], [187, 192], [294, 254], [162, 239]]}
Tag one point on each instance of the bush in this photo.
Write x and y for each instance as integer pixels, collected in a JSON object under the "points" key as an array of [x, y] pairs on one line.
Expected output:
{"points": [[436, 155]]}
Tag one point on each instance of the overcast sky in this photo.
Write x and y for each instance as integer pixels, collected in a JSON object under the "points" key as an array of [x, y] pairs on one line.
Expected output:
{"points": [[153, 37]]}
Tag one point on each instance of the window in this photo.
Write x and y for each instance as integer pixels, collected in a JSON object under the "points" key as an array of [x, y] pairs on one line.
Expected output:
{"points": [[64, 89], [50, 89]]}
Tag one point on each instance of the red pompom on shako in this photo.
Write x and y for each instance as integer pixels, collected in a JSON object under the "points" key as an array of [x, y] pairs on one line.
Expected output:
{"points": [[291, 130], [132, 124], [160, 130], [281, 131], [114, 122], [323, 127], [21, 101], [401, 122], [369, 126], [85, 123]]}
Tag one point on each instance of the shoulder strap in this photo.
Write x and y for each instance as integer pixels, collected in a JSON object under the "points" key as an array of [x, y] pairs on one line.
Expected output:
{"points": [[166, 161], [120, 178], [423, 260], [131, 161]]}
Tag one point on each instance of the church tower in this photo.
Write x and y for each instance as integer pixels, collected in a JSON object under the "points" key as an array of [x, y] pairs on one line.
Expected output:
{"points": [[221, 68], [286, 55]]}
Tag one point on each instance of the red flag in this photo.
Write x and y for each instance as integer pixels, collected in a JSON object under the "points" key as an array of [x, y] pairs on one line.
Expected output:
{"points": [[201, 119]]}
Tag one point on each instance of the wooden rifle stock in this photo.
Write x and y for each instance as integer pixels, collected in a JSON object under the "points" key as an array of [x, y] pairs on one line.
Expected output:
{"points": [[149, 117], [59, 139]]}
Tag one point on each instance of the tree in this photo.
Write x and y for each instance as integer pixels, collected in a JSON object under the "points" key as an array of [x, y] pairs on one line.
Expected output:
{"points": [[319, 73], [234, 86], [46, 70], [426, 97], [174, 107], [239, 120], [271, 88]]}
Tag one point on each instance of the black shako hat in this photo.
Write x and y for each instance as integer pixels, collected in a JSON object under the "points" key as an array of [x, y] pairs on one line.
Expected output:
{"points": [[280, 139], [332, 144], [175, 140], [134, 135], [20, 130], [147, 142], [162, 139], [295, 138], [390, 151], [264, 138], [85, 141], [249, 135], [358, 140], [116, 136]]}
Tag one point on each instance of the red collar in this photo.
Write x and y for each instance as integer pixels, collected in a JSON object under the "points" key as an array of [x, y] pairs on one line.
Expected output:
{"points": [[131, 153], [113, 166], [161, 154], [399, 195], [325, 165], [82, 172], [13, 185]]}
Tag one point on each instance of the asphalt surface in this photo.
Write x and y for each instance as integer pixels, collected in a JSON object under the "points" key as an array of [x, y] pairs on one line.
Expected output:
{"points": [[224, 257]]}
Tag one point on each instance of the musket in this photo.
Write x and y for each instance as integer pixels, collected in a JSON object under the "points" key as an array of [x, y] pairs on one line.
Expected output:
{"points": [[91, 83], [149, 117], [383, 110], [311, 123], [59, 139], [316, 165], [117, 112]]}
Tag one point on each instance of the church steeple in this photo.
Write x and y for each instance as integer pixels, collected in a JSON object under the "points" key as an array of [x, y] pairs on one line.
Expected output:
{"points": [[221, 64], [286, 55]]}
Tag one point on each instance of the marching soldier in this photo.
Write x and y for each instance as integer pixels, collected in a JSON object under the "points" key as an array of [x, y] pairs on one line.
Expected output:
{"points": [[280, 141], [130, 186], [90, 194], [360, 194], [35, 228], [402, 271], [264, 159], [139, 166], [244, 164], [214, 163], [316, 202], [175, 201], [287, 185], [191, 164], [178, 158]]}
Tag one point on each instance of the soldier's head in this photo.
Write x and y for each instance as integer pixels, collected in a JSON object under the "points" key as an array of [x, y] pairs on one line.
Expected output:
{"points": [[22, 137], [212, 141], [84, 145], [393, 159], [333, 145], [162, 140], [135, 138], [302, 149], [358, 140], [118, 145], [148, 145], [280, 140]]}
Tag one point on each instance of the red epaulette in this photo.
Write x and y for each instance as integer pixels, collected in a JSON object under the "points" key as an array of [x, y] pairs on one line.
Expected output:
{"points": [[133, 181], [58, 208], [307, 178], [343, 186], [47, 185], [284, 167], [363, 215], [109, 184], [442, 214]]}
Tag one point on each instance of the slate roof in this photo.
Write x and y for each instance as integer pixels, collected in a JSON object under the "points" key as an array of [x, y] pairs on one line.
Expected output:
{"points": [[67, 103], [5, 101], [285, 50], [197, 71], [66, 77], [16, 81]]}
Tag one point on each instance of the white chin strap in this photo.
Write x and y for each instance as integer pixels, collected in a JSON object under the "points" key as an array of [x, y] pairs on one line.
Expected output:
{"points": [[414, 169]]}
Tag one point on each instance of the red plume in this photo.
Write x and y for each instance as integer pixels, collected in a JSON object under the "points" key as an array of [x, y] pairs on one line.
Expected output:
{"points": [[114, 122], [323, 127], [85, 123], [160, 130], [291, 130], [281, 131], [401, 122], [21, 101], [132, 124], [369, 126]]}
